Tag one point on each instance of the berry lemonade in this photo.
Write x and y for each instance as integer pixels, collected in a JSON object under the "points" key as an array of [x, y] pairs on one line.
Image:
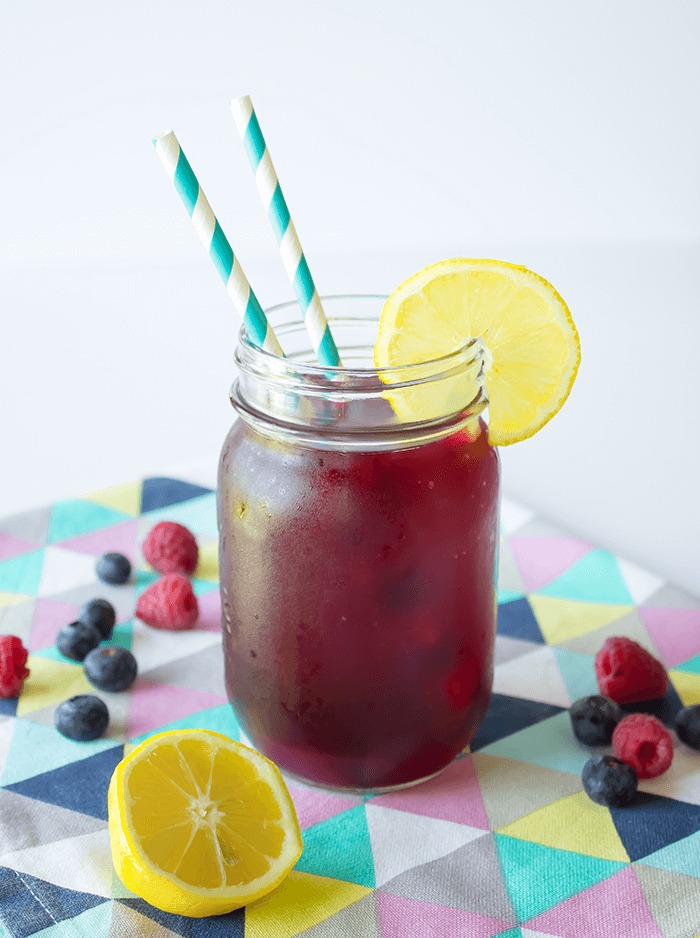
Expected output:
{"points": [[359, 602]]}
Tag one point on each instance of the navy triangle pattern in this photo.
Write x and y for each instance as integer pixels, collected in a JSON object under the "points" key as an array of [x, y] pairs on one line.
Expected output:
{"points": [[652, 822], [507, 715], [80, 786], [517, 620], [231, 925], [159, 492], [8, 706], [24, 901]]}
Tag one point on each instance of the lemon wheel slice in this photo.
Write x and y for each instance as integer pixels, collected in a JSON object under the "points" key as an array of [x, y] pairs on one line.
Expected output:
{"points": [[200, 825], [532, 348]]}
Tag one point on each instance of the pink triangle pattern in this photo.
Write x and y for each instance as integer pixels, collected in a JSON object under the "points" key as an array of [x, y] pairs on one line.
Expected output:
{"points": [[154, 705], [542, 559], [614, 907], [209, 612], [676, 632], [314, 805], [49, 616], [12, 546], [454, 795], [120, 537], [407, 918]]}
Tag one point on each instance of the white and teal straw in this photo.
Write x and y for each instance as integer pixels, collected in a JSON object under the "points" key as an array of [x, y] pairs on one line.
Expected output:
{"points": [[285, 232], [216, 243]]}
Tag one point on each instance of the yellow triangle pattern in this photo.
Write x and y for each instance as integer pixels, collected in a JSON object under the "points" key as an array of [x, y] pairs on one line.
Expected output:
{"points": [[573, 823], [687, 685], [208, 566], [562, 619], [13, 599], [302, 901], [124, 498], [49, 683]]}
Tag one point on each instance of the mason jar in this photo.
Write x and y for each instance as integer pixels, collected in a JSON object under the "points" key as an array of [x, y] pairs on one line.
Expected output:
{"points": [[358, 522]]}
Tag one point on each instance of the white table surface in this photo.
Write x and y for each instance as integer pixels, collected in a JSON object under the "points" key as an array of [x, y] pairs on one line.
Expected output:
{"points": [[562, 136]]}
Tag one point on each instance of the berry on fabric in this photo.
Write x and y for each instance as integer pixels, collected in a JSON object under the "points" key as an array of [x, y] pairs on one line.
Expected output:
{"points": [[82, 718], [113, 568], [169, 603], [171, 548], [688, 726], [644, 743], [13, 670], [111, 668], [609, 781], [101, 614], [627, 672], [76, 639], [593, 719]]}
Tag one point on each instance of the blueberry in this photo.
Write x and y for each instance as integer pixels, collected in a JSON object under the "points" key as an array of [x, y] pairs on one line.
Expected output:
{"points": [[111, 668], [608, 781], [688, 726], [101, 614], [593, 719], [113, 568], [82, 718], [76, 639]]}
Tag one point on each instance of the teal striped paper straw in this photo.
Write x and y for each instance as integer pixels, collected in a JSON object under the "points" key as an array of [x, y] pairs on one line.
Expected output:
{"points": [[285, 232], [216, 243]]}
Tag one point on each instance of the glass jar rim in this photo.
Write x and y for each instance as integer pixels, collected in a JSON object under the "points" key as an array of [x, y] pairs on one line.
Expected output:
{"points": [[357, 406], [386, 377]]}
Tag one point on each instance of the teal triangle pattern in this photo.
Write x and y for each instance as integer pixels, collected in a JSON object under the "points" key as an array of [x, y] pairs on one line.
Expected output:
{"points": [[22, 574], [578, 671], [36, 749], [692, 666], [143, 579], [74, 517], [549, 744], [511, 933], [202, 587], [506, 596], [197, 514], [340, 848], [53, 654], [218, 719], [683, 856], [538, 878], [596, 578], [123, 634]]}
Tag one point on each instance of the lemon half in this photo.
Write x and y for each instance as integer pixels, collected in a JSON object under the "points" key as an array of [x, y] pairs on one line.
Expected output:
{"points": [[200, 825], [532, 348]]}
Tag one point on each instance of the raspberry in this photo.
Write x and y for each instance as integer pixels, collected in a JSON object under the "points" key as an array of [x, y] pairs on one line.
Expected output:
{"points": [[169, 603], [171, 548], [644, 743], [13, 670], [628, 673]]}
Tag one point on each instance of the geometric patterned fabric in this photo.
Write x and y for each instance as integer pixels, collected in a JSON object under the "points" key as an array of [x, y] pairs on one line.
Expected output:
{"points": [[503, 843]]}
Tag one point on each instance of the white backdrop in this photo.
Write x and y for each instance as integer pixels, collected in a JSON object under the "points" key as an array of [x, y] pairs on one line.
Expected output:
{"points": [[563, 136]]}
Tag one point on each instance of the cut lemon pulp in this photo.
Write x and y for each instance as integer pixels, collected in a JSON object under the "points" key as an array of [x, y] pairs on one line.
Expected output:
{"points": [[200, 825], [531, 346]]}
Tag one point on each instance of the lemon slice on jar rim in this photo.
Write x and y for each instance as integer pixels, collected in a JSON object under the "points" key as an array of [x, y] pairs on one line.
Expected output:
{"points": [[200, 825], [531, 345]]}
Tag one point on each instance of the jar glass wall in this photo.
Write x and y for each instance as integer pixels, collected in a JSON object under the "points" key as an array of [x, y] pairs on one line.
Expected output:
{"points": [[358, 520]]}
